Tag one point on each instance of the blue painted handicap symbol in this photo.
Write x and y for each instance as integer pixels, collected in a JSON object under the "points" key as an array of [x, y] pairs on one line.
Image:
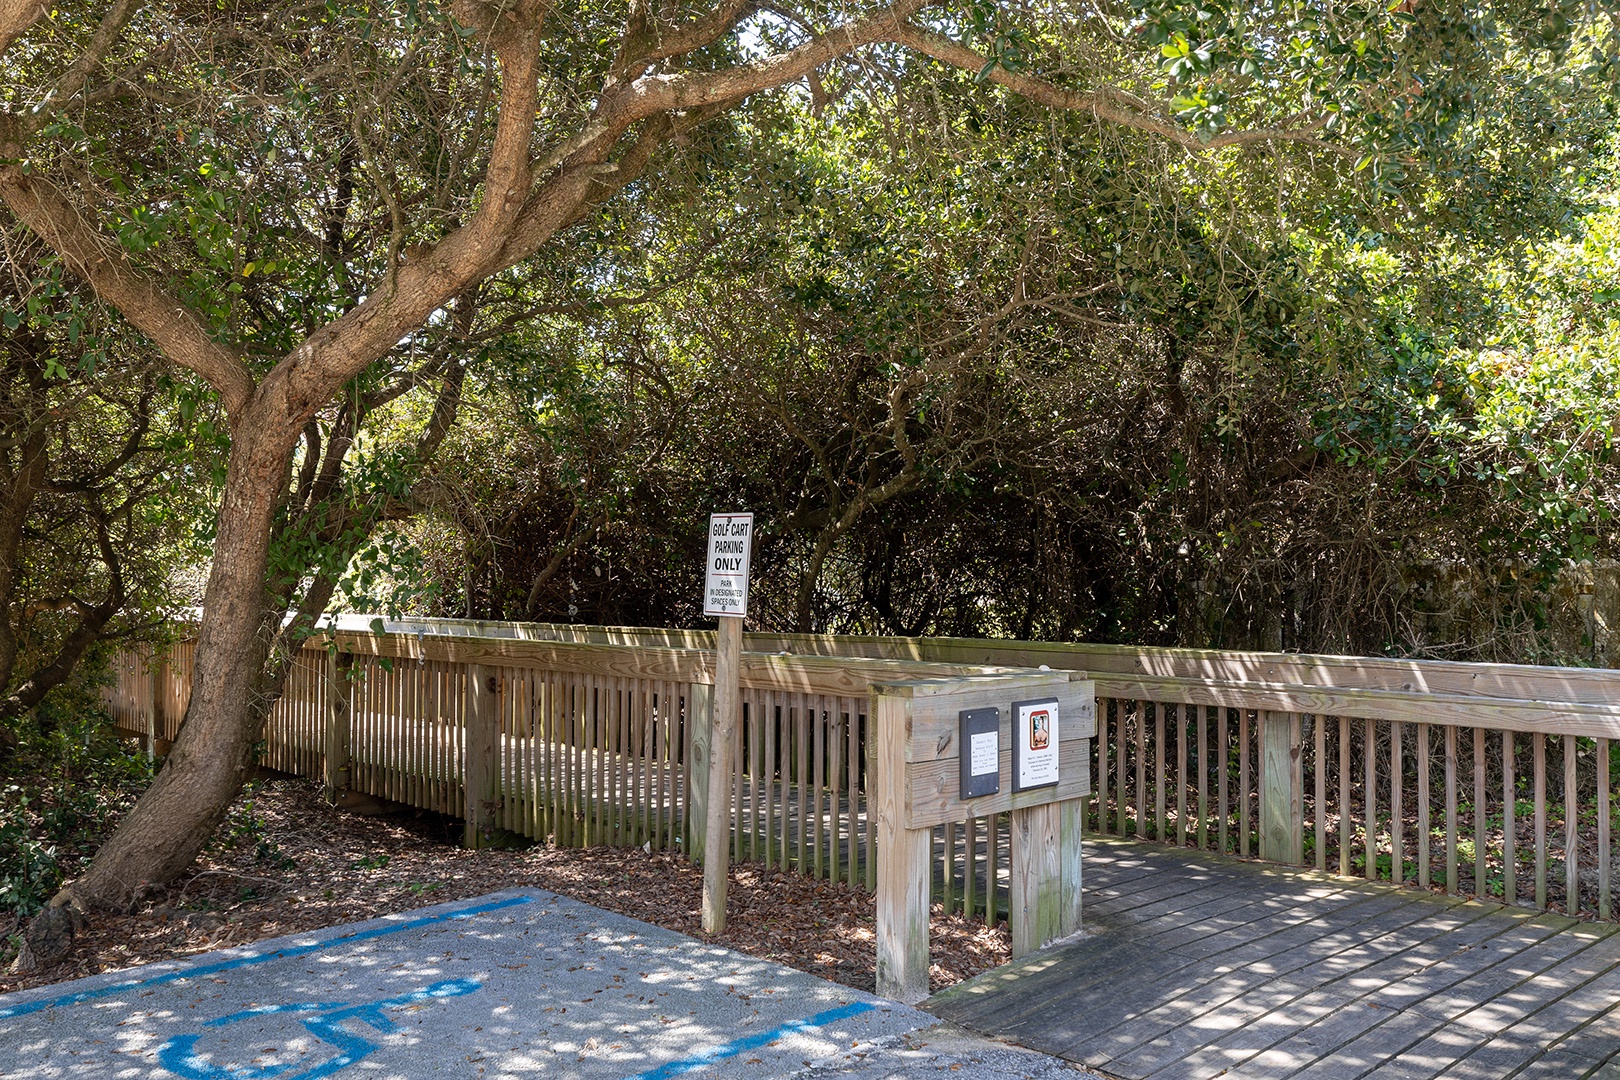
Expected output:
{"points": [[327, 1020]]}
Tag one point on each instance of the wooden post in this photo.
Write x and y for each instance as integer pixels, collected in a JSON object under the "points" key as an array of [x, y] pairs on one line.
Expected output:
{"points": [[1035, 883], [903, 878], [700, 720], [481, 775], [722, 733], [1282, 827], [1071, 822], [339, 697]]}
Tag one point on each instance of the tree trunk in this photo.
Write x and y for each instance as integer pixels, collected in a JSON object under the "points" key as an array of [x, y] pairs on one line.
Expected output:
{"points": [[205, 771]]}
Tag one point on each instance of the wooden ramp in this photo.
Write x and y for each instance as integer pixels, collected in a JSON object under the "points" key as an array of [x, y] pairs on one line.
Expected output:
{"points": [[1195, 966]]}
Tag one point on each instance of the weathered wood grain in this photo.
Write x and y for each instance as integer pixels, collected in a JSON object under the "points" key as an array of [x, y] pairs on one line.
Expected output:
{"points": [[903, 852]]}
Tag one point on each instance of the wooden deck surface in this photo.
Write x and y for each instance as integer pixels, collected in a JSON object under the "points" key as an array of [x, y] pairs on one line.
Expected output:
{"points": [[1193, 966]]}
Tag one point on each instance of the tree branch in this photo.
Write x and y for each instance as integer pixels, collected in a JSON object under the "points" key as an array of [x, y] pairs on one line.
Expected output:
{"points": [[689, 90], [176, 329], [1110, 106], [704, 30], [16, 16]]}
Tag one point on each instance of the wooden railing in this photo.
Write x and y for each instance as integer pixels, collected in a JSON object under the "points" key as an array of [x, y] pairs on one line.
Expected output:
{"points": [[1492, 780], [607, 743], [589, 743], [1486, 779]]}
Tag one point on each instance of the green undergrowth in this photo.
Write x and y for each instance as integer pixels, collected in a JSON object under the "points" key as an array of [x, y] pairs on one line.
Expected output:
{"points": [[64, 784]]}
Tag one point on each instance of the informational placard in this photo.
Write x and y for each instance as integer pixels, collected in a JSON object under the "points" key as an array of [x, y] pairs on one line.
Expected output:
{"points": [[725, 575], [980, 735], [1035, 744]]}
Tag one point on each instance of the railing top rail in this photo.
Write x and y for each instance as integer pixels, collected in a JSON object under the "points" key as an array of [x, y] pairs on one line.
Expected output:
{"points": [[839, 676], [1507, 714], [1516, 682]]}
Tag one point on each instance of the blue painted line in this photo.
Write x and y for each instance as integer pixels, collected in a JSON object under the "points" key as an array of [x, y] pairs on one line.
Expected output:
{"points": [[179, 1055], [753, 1042], [11, 1011]]}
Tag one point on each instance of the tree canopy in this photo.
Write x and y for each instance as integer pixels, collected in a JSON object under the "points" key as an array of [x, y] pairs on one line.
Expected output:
{"points": [[926, 244]]}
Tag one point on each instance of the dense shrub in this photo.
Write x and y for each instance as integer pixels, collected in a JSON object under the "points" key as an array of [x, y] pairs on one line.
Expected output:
{"points": [[61, 793]]}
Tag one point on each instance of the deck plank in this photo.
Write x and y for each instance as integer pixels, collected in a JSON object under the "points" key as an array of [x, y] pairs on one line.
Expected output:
{"points": [[1193, 965]]}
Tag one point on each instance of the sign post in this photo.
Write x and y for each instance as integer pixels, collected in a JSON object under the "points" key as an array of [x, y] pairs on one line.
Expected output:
{"points": [[725, 595]]}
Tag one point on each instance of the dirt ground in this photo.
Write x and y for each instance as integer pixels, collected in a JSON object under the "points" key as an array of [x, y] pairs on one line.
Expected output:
{"points": [[286, 862]]}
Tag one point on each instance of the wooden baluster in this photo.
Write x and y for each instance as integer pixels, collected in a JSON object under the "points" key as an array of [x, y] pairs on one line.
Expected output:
{"points": [[785, 749], [533, 779], [1572, 824], [623, 701], [635, 823], [854, 790], [1222, 761], [768, 776], [573, 804], [545, 759], [624, 705], [1423, 806], [970, 866], [870, 858], [1397, 809], [1451, 810], [749, 780], [1139, 814], [1158, 771], [551, 745], [739, 796], [669, 787], [818, 771], [836, 740], [613, 759], [1243, 782], [1370, 756], [694, 702], [1101, 750], [602, 793], [647, 763], [1319, 786], [1604, 855], [1344, 796], [584, 774], [393, 714], [1510, 796], [589, 783], [802, 753], [566, 704], [1181, 775], [1538, 750], [1200, 719], [417, 755], [1119, 771]]}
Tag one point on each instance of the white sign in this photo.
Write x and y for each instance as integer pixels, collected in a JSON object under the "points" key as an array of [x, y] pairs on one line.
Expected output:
{"points": [[985, 753], [725, 575], [1035, 744]]}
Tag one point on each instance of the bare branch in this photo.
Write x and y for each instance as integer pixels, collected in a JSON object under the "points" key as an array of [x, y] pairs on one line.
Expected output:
{"points": [[101, 42]]}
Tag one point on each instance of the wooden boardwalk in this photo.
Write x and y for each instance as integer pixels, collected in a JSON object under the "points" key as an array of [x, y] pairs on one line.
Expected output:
{"points": [[1195, 966]]}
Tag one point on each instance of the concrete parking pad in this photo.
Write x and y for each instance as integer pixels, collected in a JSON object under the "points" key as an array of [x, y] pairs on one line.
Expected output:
{"points": [[517, 984]]}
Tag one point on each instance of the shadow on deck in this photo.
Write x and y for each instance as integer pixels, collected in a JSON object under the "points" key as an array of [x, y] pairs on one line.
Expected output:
{"points": [[1195, 966]]}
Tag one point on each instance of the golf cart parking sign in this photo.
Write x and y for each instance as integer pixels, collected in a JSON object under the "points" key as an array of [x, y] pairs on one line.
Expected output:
{"points": [[725, 575]]}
